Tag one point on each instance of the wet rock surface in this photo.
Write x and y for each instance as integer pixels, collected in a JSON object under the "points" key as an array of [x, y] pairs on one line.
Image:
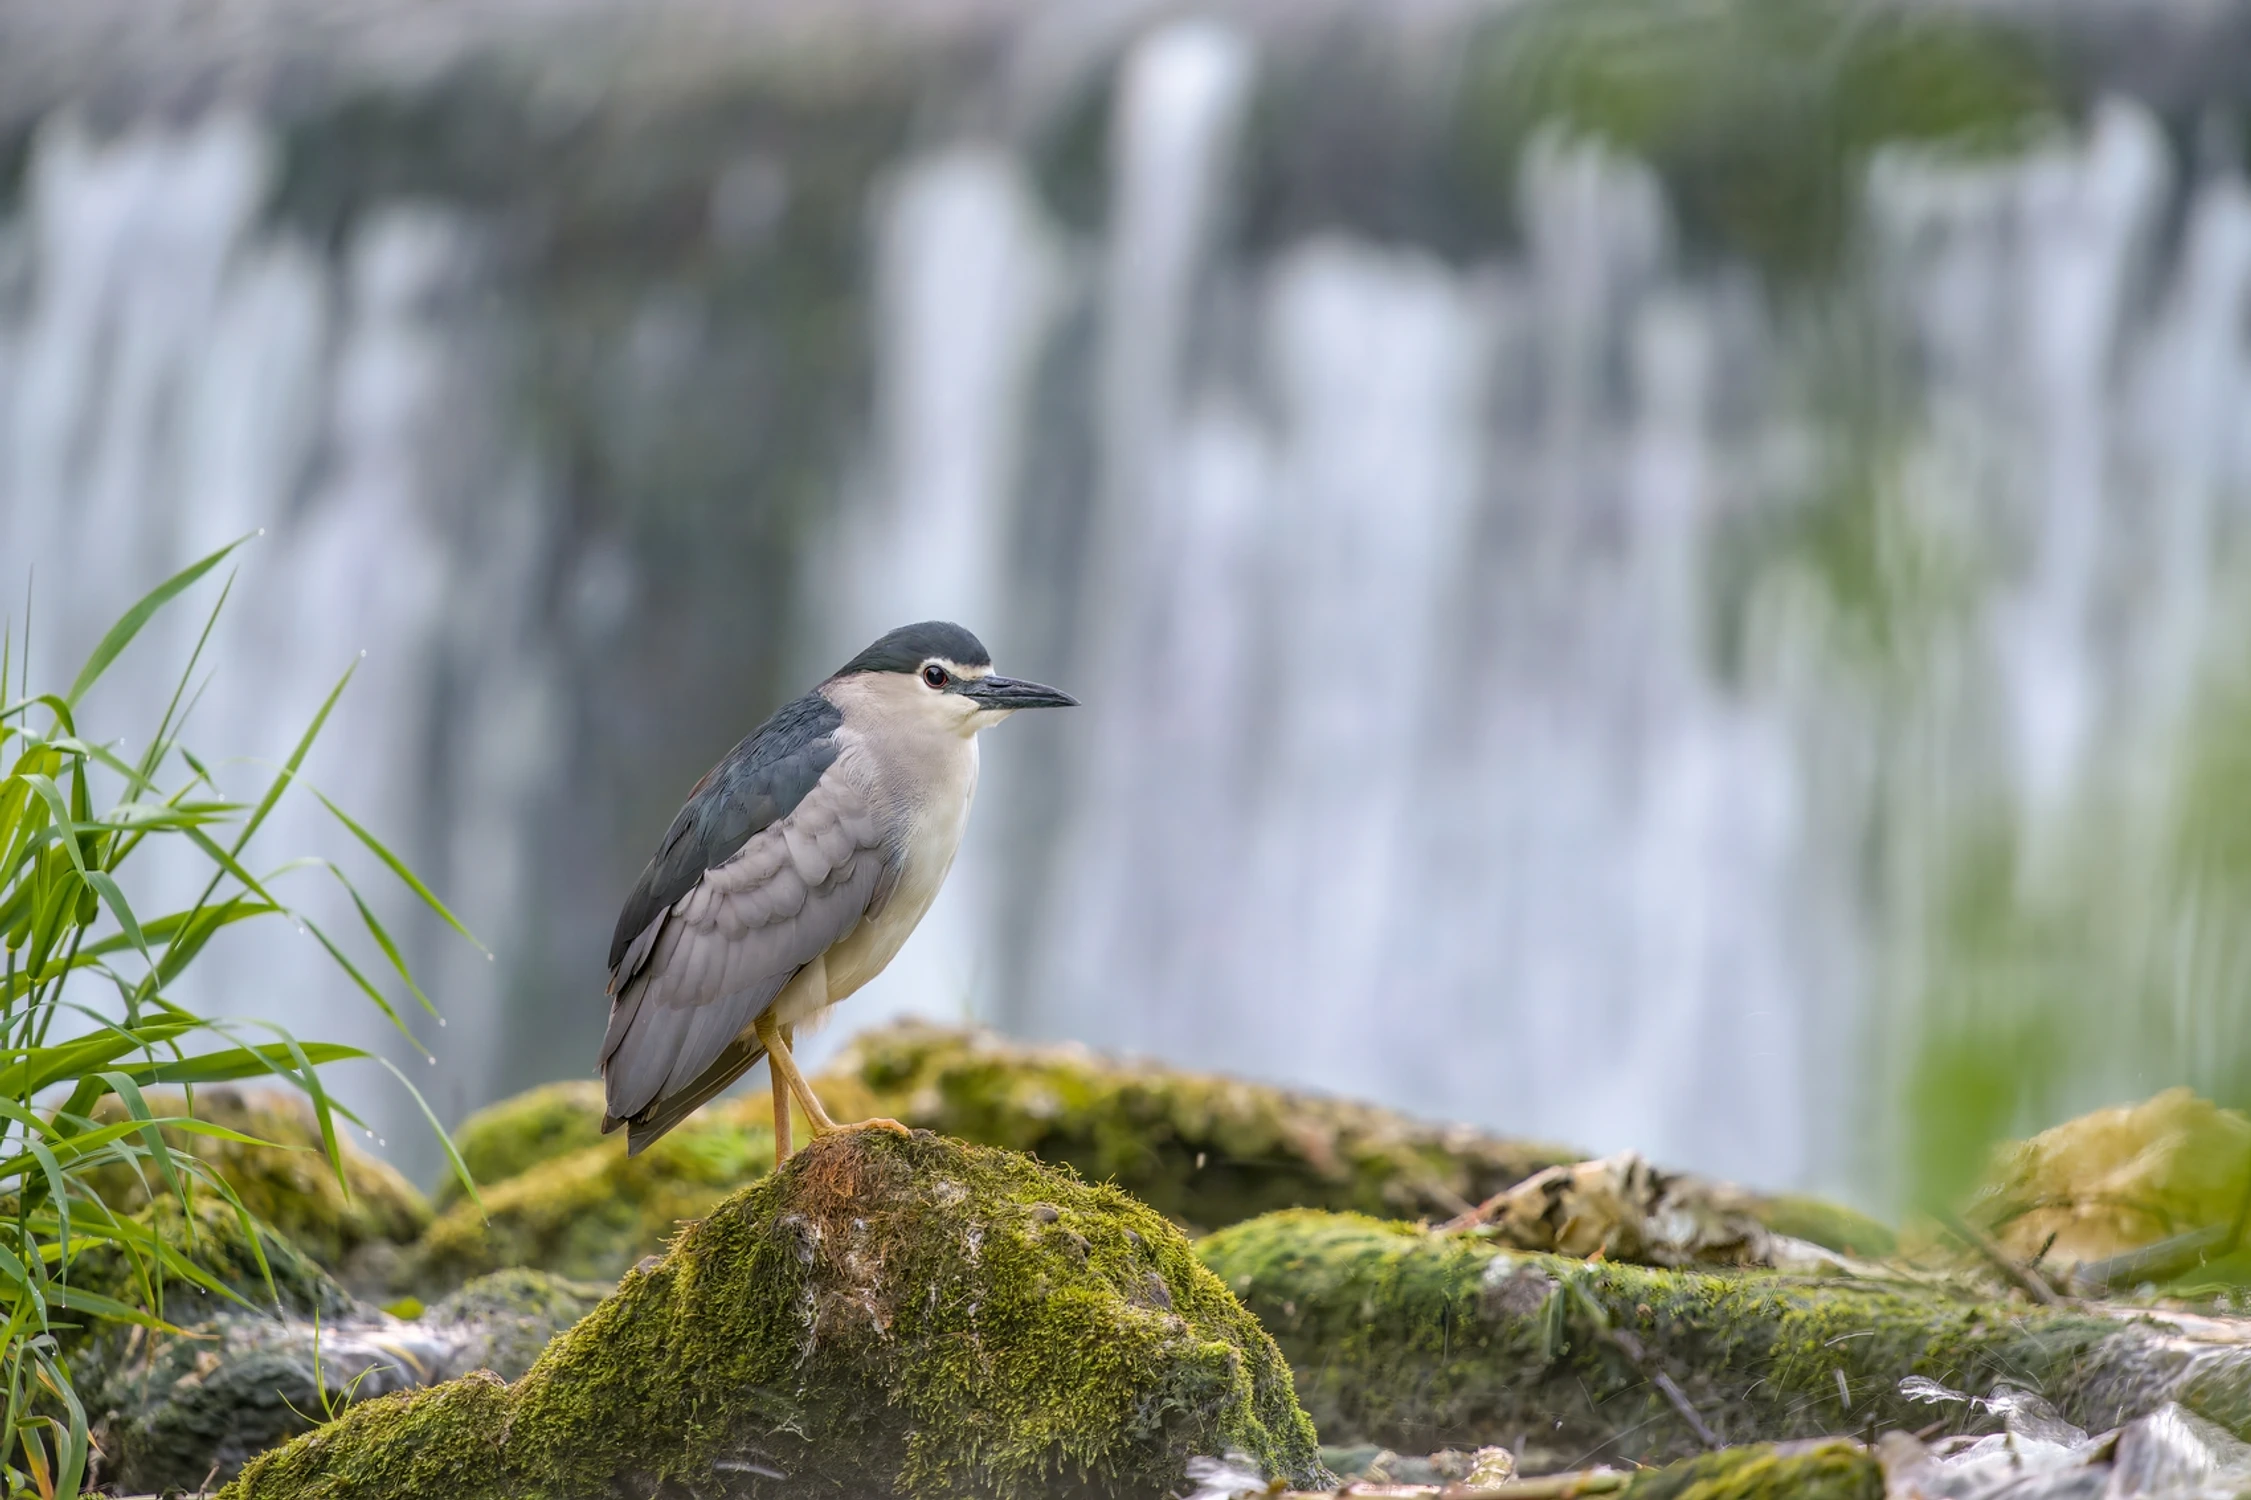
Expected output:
{"points": [[276, 1351]]}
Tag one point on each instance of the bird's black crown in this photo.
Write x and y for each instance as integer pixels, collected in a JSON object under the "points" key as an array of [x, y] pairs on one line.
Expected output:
{"points": [[908, 647]]}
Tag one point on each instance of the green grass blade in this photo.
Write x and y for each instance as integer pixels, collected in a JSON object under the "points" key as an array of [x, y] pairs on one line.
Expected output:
{"points": [[234, 1064], [160, 740], [382, 937], [398, 867], [129, 625], [288, 772], [381, 1001], [453, 1157], [120, 908]]}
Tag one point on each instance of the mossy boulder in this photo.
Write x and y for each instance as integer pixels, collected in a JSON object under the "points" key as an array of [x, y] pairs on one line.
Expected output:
{"points": [[289, 1184], [1203, 1149], [884, 1316], [2118, 1180], [592, 1212], [1420, 1340], [1206, 1151], [517, 1134], [1210, 1151]]}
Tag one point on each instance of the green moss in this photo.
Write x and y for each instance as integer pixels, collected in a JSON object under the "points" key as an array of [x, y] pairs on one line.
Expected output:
{"points": [[593, 1212], [1202, 1149], [293, 1189], [439, 1440], [517, 1134], [913, 1316], [1767, 1471], [1420, 1341]]}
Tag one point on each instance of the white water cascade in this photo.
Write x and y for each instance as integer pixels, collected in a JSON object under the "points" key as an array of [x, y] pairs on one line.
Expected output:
{"points": [[174, 376]]}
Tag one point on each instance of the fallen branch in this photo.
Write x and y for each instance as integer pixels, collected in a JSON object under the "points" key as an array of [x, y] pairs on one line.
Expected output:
{"points": [[2017, 1273]]}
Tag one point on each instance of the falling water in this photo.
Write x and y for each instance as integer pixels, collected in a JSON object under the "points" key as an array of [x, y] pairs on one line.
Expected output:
{"points": [[1438, 746], [175, 377]]}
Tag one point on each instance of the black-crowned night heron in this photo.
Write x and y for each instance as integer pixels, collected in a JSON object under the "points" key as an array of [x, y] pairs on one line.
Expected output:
{"points": [[796, 870]]}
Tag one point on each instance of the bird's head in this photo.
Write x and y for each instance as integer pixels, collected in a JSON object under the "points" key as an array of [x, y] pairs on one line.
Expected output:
{"points": [[938, 672]]}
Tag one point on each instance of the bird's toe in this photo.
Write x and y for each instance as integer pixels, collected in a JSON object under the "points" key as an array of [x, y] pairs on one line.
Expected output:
{"points": [[880, 1123]]}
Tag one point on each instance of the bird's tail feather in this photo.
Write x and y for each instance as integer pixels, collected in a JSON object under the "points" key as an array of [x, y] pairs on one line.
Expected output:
{"points": [[741, 1056]]}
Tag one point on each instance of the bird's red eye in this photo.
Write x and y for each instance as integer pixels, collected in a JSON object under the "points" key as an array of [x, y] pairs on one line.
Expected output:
{"points": [[935, 675]]}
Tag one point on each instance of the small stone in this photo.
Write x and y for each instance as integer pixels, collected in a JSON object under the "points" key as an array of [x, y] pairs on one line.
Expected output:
{"points": [[1490, 1466]]}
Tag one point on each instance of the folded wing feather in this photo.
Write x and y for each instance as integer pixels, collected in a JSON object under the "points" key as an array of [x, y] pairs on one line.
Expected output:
{"points": [[719, 955]]}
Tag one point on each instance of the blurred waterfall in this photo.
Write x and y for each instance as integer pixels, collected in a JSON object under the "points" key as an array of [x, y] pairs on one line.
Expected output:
{"points": [[1544, 677], [174, 376], [1403, 768]]}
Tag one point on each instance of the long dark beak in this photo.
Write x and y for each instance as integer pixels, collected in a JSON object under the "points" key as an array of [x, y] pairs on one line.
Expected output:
{"points": [[1014, 692]]}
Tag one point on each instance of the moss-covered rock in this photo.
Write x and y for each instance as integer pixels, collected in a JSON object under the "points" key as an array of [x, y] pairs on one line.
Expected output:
{"points": [[1211, 1151], [591, 1213], [502, 1140], [1418, 1340], [1202, 1149], [260, 1359], [293, 1188], [504, 1321], [884, 1316], [2116, 1180]]}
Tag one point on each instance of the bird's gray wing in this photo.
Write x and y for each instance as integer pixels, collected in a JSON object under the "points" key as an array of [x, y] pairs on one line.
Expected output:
{"points": [[720, 952], [754, 786]]}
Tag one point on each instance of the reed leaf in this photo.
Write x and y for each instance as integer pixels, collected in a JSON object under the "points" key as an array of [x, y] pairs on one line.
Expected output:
{"points": [[86, 1013]]}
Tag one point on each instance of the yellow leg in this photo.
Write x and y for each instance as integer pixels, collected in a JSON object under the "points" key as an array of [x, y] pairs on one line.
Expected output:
{"points": [[781, 1101], [784, 1065], [778, 1058]]}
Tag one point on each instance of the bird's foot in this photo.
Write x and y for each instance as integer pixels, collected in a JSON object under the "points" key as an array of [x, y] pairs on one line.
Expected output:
{"points": [[879, 1123]]}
